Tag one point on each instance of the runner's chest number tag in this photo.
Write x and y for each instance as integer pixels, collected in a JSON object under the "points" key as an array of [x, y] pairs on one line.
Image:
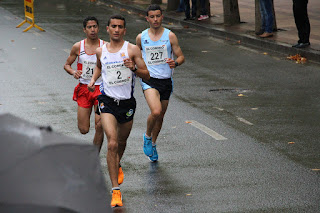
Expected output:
{"points": [[118, 74], [87, 69], [156, 54]]}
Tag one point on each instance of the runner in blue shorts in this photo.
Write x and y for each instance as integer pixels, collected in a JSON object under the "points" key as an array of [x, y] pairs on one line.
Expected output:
{"points": [[159, 46]]}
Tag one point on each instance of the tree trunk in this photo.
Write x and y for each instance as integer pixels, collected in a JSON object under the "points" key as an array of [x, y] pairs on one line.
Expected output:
{"points": [[172, 4], [258, 21], [231, 13]]}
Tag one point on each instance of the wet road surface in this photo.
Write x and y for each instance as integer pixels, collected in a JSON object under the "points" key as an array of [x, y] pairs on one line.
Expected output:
{"points": [[257, 102]]}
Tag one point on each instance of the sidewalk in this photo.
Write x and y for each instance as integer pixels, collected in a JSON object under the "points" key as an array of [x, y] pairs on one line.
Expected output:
{"points": [[282, 40]]}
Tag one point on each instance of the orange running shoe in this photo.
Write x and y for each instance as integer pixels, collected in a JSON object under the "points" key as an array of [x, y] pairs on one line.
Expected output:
{"points": [[116, 198], [120, 175]]}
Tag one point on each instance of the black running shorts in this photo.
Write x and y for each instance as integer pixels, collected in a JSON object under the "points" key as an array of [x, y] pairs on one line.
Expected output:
{"points": [[123, 110], [164, 86]]}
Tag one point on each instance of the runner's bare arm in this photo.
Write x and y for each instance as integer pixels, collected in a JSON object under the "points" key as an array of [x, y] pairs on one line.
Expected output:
{"points": [[72, 57], [176, 51], [138, 41], [96, 72], [135, 54]]}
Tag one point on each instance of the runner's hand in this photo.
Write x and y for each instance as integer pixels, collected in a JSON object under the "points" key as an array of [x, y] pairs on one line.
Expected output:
{"points": [[129, 63], [171, 63], [77, 74], [91, 86]]}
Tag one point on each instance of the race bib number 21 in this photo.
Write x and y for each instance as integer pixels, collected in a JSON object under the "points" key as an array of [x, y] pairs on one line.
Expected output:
{"points": [[87, 69]]}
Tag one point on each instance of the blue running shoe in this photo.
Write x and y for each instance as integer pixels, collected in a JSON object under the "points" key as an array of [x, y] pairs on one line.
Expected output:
{"points": [[154, 156], [147, 146]]}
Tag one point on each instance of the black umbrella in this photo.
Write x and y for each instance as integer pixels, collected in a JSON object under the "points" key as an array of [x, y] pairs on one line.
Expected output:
{"points": [[43, 171]]}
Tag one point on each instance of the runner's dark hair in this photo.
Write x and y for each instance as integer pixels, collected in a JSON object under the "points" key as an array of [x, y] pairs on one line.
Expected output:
{"points": [[117, 16], [153, 7], [89, 18]]}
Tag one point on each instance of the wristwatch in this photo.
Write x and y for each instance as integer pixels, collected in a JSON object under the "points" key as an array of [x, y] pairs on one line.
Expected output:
{"points": [[176, 63], [135, 69]]}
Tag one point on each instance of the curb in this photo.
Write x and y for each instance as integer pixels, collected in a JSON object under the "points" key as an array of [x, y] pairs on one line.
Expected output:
{"points": [[246, 40]]}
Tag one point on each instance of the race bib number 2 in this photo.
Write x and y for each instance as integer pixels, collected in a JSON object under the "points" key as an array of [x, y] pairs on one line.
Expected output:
{"points": [[156, 54], [118, 74]]}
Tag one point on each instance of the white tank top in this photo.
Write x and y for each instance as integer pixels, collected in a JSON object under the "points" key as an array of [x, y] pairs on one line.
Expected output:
{"points": [[118, 80], [87, 63]]}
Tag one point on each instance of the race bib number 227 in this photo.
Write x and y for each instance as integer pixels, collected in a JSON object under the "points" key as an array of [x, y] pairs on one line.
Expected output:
{"points": [[156, 54]]}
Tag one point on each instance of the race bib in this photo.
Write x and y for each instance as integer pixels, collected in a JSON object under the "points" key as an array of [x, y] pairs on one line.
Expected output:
{"points": [[156, 54], [118, 74], [87, 69]]}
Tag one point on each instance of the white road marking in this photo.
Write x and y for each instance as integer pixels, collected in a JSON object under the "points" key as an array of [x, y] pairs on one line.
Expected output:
{"points": [[36, 33], [239, 118], [220, 109], [248, 49], [244, 120], [206, 130], [217, 40]]}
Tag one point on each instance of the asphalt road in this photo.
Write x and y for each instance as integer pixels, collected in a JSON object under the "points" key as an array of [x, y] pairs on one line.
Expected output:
{"points": [[225, 144]]}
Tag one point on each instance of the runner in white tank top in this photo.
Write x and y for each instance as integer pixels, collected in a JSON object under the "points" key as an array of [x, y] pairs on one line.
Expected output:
{"points": [[84, 50], [86, 63], [118, 80], [118, 62]]}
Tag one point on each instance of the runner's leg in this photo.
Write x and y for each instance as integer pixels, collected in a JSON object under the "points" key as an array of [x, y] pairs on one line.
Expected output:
{"points": [[110, 126], [98, 136], [84, 119], [153, 99], [123, 134], [158, 124]]}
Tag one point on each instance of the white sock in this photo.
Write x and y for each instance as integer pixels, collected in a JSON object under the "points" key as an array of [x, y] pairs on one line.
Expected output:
{"points": [[116, 188], [148, 137], [153, 143]]}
